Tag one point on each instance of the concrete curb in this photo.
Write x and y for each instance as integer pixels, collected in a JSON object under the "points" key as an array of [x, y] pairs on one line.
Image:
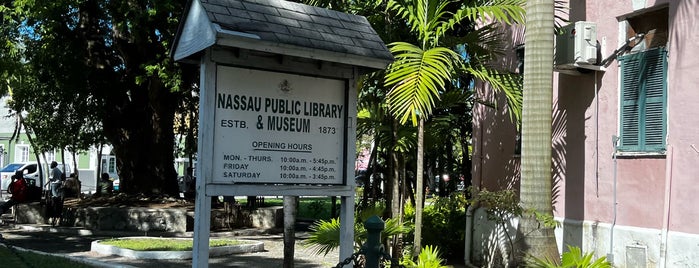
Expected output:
{"points": [[78, 231], [249, 247], [77, 259]]}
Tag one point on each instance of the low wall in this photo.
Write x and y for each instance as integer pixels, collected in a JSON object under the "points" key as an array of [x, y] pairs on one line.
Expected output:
{"points": [[151, 220]]}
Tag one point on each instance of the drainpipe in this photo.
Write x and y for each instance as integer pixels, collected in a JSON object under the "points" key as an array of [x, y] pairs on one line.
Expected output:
{"points": [[666, 208], [477, 179], [596, 138], [610, 254], [468, 236]]}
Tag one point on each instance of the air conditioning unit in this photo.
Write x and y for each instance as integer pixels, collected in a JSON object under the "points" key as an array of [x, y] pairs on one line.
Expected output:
{"points": [[576, 46]]}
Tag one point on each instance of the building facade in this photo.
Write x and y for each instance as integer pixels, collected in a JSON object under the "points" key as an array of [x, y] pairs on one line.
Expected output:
{"points": [[625, 137], [19, 150]]}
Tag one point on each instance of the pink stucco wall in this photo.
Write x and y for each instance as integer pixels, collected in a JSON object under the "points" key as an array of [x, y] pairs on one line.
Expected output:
{"points": [[640, 180], [495, 165], [586, 116], [683, 116]]}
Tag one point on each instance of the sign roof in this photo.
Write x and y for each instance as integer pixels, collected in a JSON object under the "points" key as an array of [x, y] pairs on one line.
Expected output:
{"points": [[281, 27]]}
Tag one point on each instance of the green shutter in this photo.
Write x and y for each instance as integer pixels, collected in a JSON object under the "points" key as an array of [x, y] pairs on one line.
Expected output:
{"points": [[655, 87], [643, 101], [629, 103]]}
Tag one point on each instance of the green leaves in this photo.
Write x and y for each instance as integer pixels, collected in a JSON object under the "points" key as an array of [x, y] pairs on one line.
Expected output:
{"points": [[325, 236], [429, 257], [573, 258], [416, 78], [509, 84], [505, 11], [420, 72]]}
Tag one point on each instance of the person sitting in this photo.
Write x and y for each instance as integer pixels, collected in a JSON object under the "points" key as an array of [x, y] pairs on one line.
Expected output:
{"points": [[18, 189], [106, 185]]}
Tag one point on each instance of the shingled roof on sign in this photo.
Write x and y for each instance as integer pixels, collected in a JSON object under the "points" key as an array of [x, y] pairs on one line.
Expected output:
{"points": [[282, 27]]}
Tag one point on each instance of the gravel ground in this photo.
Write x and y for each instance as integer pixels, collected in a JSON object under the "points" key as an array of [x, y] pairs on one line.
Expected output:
{"points": [[78, 247]]}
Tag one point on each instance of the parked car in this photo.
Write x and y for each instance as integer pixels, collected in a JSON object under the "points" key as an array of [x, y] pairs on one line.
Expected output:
{"points": [[30, 170], [31, 173], [115, 184]]}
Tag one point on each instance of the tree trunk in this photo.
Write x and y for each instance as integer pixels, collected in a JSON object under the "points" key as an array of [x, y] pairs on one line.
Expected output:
{"points": [[393, 193], [466, 162], [535, 189], [289, 231], [419, 189], [141, 131], [397, 244]]}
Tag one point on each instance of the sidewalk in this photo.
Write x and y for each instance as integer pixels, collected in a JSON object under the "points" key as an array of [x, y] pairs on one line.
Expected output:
{"points": [[75, 243]]}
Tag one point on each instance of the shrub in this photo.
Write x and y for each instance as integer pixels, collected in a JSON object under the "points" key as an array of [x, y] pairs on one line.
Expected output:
{"points": [[574, 258], [446, 218], [429, 258]]}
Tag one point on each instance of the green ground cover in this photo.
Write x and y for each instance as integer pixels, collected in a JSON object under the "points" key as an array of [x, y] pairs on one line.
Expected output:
{"points": [[21, 259], [164, 244], [315, 208]]}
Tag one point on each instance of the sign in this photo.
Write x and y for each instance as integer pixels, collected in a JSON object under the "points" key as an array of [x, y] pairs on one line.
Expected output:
{"points": [[272, 127]]}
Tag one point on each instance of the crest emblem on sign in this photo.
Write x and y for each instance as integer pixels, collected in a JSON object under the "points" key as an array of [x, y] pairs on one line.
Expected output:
{"points": [[284, 86]]}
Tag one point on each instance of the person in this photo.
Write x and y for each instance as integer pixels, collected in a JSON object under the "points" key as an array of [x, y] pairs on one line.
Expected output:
{"points": [[56, 180], [106, 185], [18, 188]]}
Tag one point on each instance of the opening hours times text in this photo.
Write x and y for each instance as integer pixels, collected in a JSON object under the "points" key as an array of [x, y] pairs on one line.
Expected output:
{"points": [[289, 167]]}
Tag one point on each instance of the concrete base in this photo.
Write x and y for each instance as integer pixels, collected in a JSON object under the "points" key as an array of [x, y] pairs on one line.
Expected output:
{"points": [[632, 247]]}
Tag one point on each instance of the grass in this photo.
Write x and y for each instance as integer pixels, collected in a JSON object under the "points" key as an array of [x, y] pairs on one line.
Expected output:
{"points": [[316, 208], [164, 244], [20, 259]]}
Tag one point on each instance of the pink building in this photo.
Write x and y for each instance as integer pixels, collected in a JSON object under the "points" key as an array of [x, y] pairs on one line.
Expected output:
{"points": [[625, 138]]}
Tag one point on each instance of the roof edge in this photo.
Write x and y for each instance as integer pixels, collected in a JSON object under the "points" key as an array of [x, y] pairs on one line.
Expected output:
{"points": [[226, 39]]}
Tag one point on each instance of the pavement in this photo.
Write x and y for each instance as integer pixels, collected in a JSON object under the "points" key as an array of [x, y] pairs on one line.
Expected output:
{"points": [[74, 243]]}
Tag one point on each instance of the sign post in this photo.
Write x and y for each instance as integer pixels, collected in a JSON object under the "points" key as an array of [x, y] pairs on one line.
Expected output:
{"points": [[278, 106]]}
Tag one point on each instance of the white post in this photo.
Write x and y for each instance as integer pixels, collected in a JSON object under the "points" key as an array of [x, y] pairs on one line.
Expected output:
{"points": [[346, 227], [202, 206]]}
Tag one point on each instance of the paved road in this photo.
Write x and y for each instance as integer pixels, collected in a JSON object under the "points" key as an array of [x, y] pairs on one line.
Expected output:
{"points": [[71, 242]]}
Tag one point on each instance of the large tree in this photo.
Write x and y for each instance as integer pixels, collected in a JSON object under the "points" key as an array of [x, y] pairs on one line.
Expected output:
{"points": [[111, 58], [535, 188], [422, 70]]}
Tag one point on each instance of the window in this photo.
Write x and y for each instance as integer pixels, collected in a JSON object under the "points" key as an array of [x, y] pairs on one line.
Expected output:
{"points": [[643, 96], [109, 164], [21, 153], [51, 156], [643, 101]]}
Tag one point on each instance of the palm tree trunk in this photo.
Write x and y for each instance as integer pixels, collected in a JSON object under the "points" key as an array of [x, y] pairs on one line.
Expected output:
{"points": [[535, 188], [419, 189]]}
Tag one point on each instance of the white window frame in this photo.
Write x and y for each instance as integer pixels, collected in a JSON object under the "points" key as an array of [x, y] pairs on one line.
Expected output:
{"points": [[21, 153]]}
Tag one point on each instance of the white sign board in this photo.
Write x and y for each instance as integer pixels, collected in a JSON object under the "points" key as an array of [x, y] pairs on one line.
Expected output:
{"points": [[272, 127]]}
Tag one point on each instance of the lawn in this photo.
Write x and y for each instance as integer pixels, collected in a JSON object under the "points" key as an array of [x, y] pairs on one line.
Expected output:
{"points": [[161, 244], [20, 259], [314, 208]]}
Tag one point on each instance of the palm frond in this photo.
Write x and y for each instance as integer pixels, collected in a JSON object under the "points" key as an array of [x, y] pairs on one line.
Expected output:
{"points": [[503, 11], [324, 236], [485, 43], [509, 84], [423, 16], [416, 78]]}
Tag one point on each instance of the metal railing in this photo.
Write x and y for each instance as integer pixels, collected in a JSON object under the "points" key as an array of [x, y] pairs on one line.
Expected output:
{"points": [[373, 251]]}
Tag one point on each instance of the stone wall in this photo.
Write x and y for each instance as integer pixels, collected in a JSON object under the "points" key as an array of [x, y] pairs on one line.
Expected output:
{"points": [[151, 220]]}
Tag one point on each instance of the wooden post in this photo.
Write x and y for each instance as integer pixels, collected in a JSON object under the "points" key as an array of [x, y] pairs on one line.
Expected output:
{"points": [[202, 205], [346, 227]]}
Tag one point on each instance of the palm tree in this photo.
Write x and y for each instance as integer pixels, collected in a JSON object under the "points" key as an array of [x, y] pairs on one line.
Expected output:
{"points": [[535, 188], [422, 70]]}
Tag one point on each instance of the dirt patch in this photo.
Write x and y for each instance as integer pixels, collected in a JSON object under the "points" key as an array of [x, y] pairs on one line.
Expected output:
{"points": [[123, 200]]}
